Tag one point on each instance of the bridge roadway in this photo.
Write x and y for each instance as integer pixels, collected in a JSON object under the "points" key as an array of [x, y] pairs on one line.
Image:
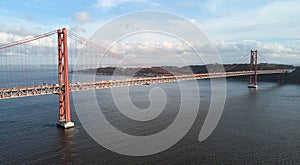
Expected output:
{"points": [[55, 88]]}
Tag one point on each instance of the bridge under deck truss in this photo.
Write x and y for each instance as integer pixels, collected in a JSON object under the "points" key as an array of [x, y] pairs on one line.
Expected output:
{"points": [[55, 89]]}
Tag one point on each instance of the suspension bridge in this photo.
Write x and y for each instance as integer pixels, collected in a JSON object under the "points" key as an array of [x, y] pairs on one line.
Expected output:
{"points": [[25, 70]]}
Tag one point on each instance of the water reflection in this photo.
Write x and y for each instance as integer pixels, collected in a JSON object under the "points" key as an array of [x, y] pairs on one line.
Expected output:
{"points": [[65, 145]]}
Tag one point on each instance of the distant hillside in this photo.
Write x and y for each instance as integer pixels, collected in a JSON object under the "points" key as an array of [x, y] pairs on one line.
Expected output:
{"points": [[293, 77]]}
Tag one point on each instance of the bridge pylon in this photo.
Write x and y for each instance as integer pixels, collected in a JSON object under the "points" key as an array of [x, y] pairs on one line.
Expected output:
{"points": [[63, 81], [253, 63]]}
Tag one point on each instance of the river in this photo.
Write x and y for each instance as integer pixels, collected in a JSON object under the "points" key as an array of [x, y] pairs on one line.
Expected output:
{"points": [[257, 126]]}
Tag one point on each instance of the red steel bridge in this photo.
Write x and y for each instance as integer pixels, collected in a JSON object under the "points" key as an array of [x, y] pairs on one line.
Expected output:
{"points": [[14, 63]]}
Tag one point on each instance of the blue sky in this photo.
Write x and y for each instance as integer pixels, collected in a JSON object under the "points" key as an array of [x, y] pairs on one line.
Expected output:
{"points": [[234, 26]]}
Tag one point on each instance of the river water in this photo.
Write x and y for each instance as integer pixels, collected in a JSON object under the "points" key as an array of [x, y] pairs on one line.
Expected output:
{"points": [[257, 126]]}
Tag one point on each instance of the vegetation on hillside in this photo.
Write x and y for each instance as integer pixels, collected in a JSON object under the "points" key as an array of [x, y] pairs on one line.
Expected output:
{"points": [[293, 77]]}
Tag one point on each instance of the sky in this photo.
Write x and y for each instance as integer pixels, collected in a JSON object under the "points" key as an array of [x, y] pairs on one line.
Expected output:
{"points": [[234, 26]]}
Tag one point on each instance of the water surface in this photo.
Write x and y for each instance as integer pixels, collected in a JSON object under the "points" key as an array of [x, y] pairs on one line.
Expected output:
{"points": [[257, 126]]}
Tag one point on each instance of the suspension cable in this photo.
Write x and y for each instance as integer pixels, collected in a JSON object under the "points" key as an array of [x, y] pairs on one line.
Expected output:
{"points": [[84, 41], [27, 40]]}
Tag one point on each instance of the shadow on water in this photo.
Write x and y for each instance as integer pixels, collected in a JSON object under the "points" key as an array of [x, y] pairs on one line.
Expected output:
{"points": [[265, 88], [270, 87]]}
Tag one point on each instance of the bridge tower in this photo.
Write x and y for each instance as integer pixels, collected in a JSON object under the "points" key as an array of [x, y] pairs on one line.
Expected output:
{"points": [[253, 63], [63, 81]]}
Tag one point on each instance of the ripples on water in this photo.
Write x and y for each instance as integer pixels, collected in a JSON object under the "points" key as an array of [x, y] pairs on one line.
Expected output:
{"points": [[258, 126]]}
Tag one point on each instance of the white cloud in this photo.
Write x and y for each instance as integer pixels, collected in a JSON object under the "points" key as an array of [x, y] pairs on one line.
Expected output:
{"points": [[148, 52], [108, 4], [5, 38], [232, 52], [14, 32], [212, 5], [77, 28], [193, 20], [81, 17]]}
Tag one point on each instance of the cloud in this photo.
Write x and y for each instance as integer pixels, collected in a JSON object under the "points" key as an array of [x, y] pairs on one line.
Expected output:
{"points": [[16, 30], [168, 52], [193, 20], [6, 38], [43, 50], [77, 28], [13, 33], [108, 4], [212, 5], [81, 17], [232, 52]]}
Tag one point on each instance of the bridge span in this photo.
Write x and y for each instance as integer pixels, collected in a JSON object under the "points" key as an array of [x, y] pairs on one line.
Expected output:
{"points": [[56, 89], [63, 87]]}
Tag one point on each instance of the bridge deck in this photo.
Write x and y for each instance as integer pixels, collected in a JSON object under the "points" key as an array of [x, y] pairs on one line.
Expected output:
{"points": [[55, 88]]}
